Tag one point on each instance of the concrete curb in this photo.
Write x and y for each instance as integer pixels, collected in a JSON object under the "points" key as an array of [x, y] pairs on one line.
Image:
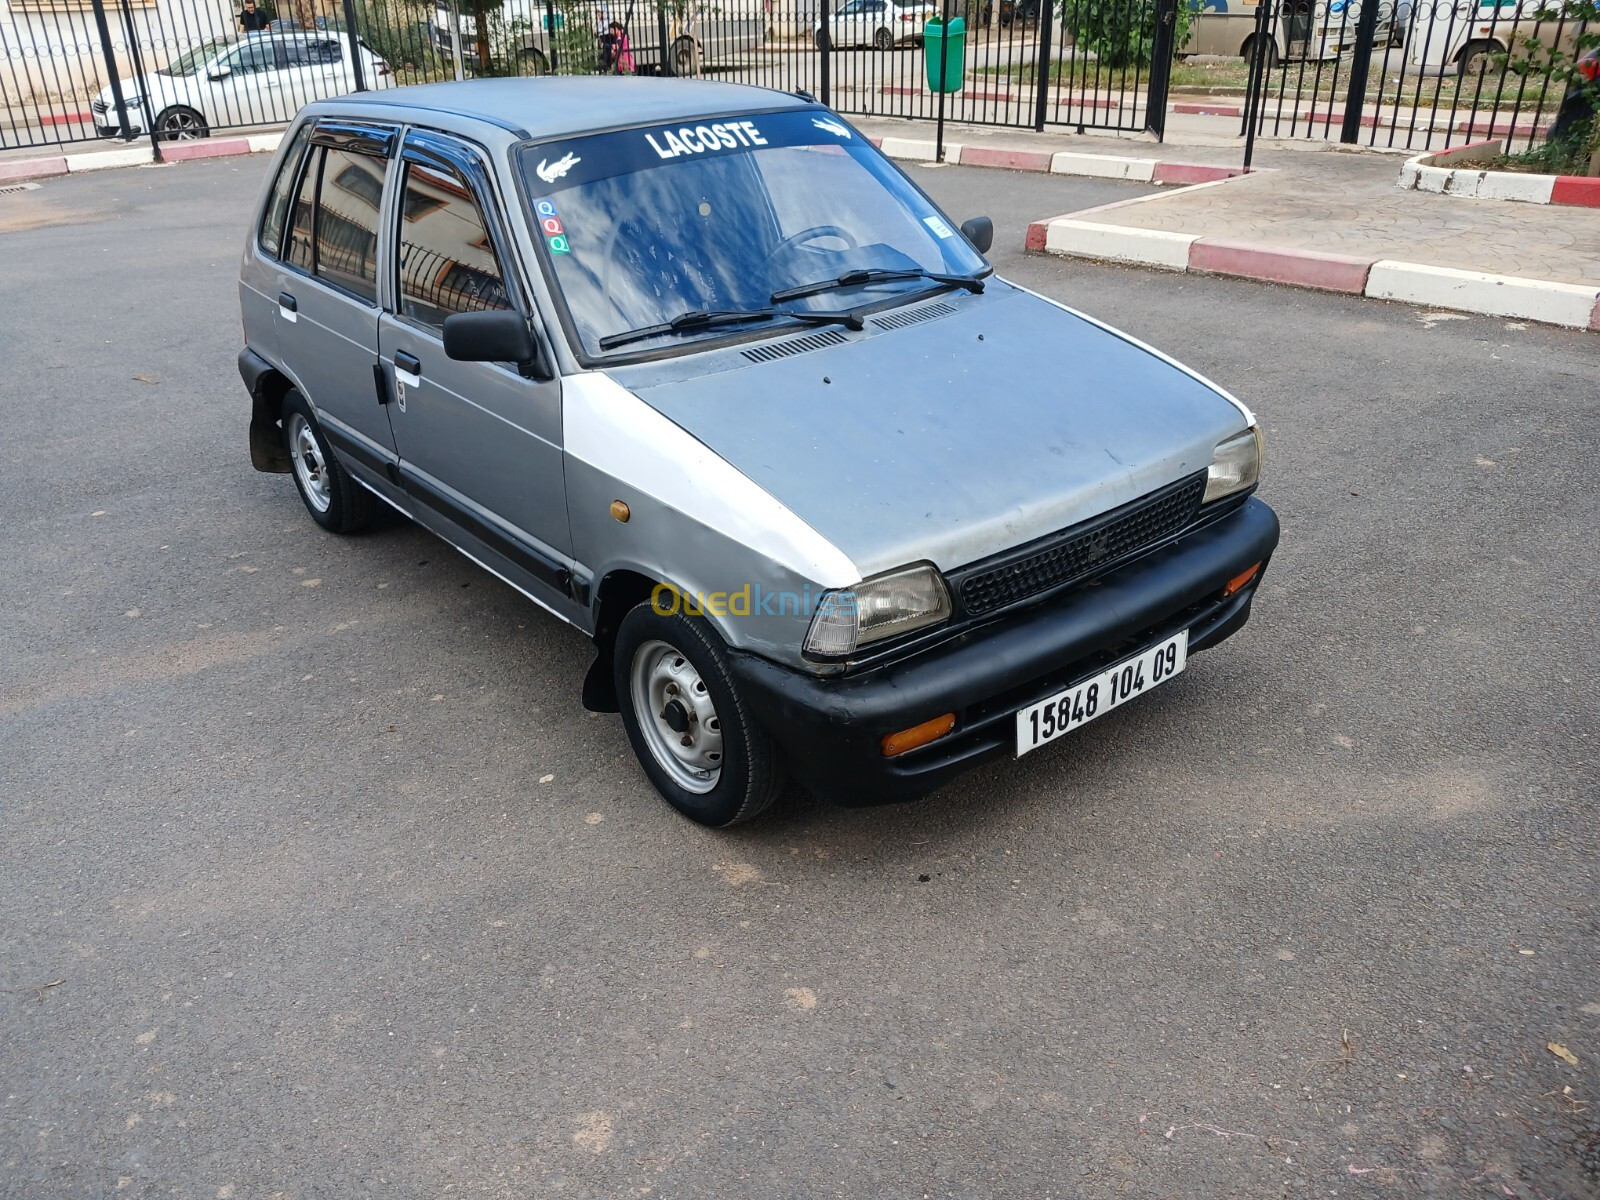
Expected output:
{"points": [[1063, 162], [1438, 172], [16, 170], [1574, 306]]}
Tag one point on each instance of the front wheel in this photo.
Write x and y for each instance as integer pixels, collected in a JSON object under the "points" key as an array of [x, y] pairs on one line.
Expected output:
{"points": [[690, 729], [533, 62], [883, 40], [180, 124]]}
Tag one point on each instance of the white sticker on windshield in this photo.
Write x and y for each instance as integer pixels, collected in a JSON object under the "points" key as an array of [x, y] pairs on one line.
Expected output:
{"points": [[938, 227]]}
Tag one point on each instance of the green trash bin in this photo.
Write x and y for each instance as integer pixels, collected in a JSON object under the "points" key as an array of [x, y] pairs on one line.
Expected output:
{"points": [[951, 44]]}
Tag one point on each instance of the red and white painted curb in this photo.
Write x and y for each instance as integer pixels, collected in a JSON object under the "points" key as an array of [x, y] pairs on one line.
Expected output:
{"points": [[1061, 162], [134, 155], [1576, 306], [1440, 172]]}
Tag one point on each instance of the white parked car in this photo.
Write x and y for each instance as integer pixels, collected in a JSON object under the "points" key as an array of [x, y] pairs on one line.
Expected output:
{"points": [[882, 24], [244, 79]]}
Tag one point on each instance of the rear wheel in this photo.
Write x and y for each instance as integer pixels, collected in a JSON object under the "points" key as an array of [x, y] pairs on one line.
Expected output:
{"points": [[689, 727], [883, 40], [334, 500], [533, 62], [181, 124]]}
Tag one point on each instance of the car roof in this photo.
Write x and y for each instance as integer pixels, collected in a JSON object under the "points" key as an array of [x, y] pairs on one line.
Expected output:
{"points": [[560, 105]]}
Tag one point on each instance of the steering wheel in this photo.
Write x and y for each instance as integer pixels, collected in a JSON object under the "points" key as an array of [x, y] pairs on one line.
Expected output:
{"points": [[811, 234]]}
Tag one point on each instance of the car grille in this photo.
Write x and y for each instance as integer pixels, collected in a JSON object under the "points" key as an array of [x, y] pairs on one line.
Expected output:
{"points": [[1082, 550], [98, 107]]}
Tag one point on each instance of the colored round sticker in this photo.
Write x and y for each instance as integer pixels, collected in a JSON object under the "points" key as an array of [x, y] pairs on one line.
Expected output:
{"points": [[558, 245], [551, 226], [545, 209]]}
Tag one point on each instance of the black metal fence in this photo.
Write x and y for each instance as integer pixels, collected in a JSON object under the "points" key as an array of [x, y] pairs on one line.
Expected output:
{"points": [[187, 68], [1415, 74]]}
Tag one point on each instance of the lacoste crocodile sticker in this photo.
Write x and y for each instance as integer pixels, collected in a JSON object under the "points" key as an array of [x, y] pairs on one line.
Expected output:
{"points": [[550, 172]]}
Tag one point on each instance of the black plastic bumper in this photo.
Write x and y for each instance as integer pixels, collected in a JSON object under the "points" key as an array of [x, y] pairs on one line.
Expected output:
{"points": [[832, 728]]}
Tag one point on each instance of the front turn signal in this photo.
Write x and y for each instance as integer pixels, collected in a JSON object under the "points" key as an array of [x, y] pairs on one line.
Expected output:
{"points": [[918, 735], [1240, 580]]}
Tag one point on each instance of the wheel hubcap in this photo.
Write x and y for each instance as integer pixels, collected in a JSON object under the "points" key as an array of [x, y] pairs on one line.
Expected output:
{"points": [[675, 713], [182, 126], [309, 467]]}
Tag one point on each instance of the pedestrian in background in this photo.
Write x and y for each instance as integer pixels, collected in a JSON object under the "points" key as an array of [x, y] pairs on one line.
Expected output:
{"points": [[252, 19], [616, 58]]}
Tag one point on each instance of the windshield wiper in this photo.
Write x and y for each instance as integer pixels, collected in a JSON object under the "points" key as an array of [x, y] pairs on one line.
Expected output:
{"points": [[700, 319], [875, 275]]}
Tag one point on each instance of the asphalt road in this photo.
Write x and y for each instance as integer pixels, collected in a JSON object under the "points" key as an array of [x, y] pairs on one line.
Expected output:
{"points": [[317, 880]]}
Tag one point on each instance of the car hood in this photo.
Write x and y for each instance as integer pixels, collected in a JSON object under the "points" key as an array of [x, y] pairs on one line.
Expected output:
{"points": [[994, 420]]}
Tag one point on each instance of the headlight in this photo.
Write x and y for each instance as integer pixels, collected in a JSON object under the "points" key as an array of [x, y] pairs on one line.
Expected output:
{"points": [[128, 101], [887, 605], [1235, 465]]}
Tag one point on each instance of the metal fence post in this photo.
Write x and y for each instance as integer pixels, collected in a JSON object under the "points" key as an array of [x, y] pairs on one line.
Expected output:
{"points": [[455, 39], [944, 59], [661, 32], [104, 30], [1161, 53], [125, 11], [356, 64], [1047, 10], [825, 33], [550, 38], [1356, 98], [1257, 84]]}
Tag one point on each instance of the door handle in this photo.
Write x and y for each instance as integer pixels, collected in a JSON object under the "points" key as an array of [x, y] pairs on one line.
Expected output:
{"points": [[288, 307], [408, 368]]}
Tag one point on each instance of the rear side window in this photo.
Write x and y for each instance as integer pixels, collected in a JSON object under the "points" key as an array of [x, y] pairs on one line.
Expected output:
{"points": [[333, 227], [282, 190], [447, 262]]}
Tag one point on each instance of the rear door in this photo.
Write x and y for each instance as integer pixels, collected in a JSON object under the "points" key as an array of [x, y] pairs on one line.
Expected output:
{"points": [[327, 291], [479, 444]]}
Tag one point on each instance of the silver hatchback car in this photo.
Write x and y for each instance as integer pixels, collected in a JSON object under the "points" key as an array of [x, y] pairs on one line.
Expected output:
{"points": [[702, 373]]}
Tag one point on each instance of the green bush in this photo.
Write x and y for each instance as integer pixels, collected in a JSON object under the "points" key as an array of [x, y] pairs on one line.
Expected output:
{"points": [[1121, 34]]}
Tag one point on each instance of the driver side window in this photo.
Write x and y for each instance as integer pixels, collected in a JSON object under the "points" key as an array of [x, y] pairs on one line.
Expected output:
{"points": [[447, 260], [251, 59]]}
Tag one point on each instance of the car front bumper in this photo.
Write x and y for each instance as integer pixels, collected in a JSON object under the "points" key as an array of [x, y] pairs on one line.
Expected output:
{"points": [[832, 728]]}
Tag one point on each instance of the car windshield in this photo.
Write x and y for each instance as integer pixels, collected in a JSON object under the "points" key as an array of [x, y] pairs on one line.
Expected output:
{"points": [[189, 62], [792, 210]]}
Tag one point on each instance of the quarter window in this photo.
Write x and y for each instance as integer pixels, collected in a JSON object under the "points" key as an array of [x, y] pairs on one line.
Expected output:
{"points": [[282, 187], [447, 262]]}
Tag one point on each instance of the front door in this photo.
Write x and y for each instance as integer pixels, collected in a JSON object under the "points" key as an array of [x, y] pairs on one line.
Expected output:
{"points": [[479, 443]]}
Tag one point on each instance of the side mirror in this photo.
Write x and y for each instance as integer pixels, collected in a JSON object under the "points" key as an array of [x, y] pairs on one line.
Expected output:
{"points": [[498, 335], [980, 232], [222, 72]]}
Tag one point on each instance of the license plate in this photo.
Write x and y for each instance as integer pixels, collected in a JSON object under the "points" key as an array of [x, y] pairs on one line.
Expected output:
{"points": [[1078, 705]]}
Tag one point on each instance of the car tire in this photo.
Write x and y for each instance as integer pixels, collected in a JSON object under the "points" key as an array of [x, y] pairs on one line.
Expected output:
{"points": [[1475, 60], [181, 124], [533, 62], [883, 40], [691, 731], [1248, 51], [335, 501], [684, 60]]}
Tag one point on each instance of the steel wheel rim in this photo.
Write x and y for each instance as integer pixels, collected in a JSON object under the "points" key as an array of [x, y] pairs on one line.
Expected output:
{"points": [[309, 466], [660, 677], [182, 126]]}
